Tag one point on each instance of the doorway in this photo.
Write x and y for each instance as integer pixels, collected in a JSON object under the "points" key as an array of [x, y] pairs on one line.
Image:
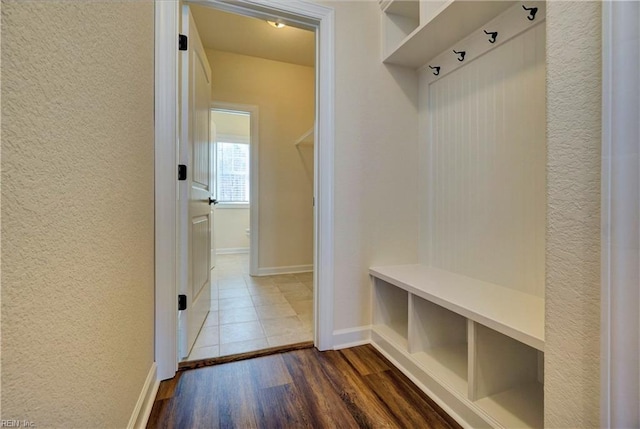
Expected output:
{"points": [[313, 16], [249, 311], [272, 304]]}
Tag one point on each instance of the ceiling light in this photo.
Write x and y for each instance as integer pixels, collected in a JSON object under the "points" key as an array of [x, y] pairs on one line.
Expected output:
{"points": [[276, 24]]}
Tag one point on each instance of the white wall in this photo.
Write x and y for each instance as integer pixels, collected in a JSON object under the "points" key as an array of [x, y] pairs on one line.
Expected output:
{"points": [[77, 212], [376, 161], [572, 347], [284, 94], [230, 225]]}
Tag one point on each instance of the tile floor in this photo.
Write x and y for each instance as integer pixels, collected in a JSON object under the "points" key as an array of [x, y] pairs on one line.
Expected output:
{"points": [[253, 313]]}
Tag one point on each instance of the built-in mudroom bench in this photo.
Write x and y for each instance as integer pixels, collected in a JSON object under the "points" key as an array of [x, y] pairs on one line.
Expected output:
{"points": [[474, 344], [466, 323]]}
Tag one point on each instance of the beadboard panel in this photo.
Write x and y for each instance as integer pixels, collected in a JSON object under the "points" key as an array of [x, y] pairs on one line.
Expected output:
{"points": [[485, 160]]}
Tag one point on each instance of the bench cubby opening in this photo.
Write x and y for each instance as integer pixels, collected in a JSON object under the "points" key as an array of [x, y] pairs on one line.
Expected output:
{"points": [[507, 382], [438, 342], [391, 313]]}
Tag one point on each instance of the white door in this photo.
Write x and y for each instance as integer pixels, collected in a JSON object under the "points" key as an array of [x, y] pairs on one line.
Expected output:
{"points": [[195, 216]]}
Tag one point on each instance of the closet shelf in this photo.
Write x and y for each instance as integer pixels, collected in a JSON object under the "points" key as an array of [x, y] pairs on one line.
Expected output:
{"points": [[306, 139], [455, 20], [515, 314]]}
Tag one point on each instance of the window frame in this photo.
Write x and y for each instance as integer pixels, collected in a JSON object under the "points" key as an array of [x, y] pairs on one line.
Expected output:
{"points": [[235, 139]]}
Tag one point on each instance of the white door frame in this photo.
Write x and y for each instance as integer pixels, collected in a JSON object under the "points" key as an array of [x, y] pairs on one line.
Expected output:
{"points": [[620, 299], [307, 15], [254, 182]]}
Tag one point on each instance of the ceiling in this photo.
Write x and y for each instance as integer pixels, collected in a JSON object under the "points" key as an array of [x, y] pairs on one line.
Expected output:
{"points": [[229, 32]]}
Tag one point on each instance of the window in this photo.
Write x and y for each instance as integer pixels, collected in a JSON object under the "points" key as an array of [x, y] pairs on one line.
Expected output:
{"points": [[232, 173], [231, 157]]}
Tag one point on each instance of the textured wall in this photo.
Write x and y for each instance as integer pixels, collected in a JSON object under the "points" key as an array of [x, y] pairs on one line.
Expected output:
{"points": [[0, 218], [376, 161], [284, 94], [572, 381], [77, 212]]}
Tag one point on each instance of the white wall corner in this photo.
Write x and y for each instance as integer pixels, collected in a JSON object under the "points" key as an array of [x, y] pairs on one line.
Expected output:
{"points": [[142, 410], [352, 337]]}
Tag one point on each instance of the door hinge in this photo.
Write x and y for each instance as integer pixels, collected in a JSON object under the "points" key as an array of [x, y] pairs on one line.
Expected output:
{"points": [[182, 172], [182, 302], [183, 42]]}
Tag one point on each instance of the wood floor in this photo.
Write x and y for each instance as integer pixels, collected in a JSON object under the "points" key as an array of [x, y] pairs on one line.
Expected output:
{"points": [[351, 388]]}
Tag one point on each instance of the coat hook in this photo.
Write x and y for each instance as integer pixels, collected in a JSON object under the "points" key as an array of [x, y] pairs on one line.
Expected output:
{"points": [[437, 70], [461, 53], [494, 35], [532, 12]]}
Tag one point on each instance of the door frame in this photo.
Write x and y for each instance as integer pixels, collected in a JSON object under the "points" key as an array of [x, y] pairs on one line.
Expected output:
{"points": [[254, 182], [307, 15], [620, 214]]}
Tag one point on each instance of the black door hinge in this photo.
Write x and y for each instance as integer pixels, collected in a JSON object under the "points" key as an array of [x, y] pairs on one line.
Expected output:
{"points": [[182, 172], [182, 42], [182, 302]]}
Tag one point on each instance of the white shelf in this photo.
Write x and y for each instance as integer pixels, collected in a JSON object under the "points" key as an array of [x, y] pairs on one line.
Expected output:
{"points": [[520, 407], [306, 139], [448, 364], [406, 8], [454, 21], [512, 313]]}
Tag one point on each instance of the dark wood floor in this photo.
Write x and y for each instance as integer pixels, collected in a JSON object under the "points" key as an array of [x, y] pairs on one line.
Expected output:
{"points": [[351, 388]]}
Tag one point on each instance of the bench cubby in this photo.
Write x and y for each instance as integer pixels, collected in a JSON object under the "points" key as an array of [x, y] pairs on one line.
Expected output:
{"points": [[438, 341], [391, 309], [475, 347]]}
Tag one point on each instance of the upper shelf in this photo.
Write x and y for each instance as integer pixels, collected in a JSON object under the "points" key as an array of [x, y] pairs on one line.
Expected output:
{"points": [[452, 22], [508, 311], [406, 8]]}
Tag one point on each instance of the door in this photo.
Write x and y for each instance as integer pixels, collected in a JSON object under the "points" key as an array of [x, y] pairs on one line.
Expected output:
{"points": [[195, 191]]}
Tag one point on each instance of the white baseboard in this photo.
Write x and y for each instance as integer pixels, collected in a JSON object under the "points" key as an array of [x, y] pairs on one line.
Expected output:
{"points": [[352, 337], [143, 407], [292, 269], [420, 385], [232, 250]]}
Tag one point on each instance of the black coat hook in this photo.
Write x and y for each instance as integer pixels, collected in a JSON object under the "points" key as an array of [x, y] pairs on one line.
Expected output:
{"points": [[437, 70], [461, 53], [532, 12], [494, 35]]}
